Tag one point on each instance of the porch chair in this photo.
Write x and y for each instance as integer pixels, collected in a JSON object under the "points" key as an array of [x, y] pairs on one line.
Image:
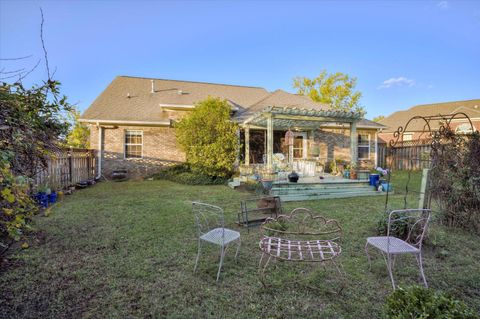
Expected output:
{"points": [[414, 223], [209, 221]]}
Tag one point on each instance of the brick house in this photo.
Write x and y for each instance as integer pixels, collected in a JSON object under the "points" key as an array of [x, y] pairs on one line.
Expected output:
{"points": [[415, 129], [131, 125]]}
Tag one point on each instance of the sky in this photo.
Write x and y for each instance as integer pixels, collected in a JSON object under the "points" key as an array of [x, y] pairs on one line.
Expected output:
{"points": [[403, 53]]}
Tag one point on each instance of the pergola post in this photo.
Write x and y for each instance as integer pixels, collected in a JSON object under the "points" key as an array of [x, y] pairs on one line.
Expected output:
{"points": [[353, 142], [247, 145], [269, 140]]}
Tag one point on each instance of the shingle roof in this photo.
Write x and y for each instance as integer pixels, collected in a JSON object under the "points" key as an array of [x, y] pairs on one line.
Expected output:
{"points": [[114, 102], [400, 118]]}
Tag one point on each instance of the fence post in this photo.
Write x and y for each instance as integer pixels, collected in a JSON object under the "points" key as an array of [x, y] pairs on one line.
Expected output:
{"points": [[70, 172]]}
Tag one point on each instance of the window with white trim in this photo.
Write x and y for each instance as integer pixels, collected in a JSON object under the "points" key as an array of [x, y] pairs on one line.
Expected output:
{"points": [[464, 128], [363, 146], [133, 144], [407, 137]]}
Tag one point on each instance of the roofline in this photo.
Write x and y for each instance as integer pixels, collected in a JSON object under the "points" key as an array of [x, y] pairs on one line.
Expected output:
{"points": [[99, 122], [149, 78]]}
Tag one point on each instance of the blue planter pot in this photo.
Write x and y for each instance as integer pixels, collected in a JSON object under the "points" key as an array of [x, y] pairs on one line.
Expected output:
{"points": [[42, 199], [267, 185], [52, 198], [386, 187]]}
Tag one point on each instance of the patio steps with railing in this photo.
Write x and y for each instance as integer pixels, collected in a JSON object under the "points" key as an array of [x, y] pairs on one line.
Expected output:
{"points": [[329, 189]]}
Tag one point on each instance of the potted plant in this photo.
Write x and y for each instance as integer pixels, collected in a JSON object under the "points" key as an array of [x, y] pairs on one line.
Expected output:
{"points": [[353, 170], [52, 197], [42, 195], [293, 177]]}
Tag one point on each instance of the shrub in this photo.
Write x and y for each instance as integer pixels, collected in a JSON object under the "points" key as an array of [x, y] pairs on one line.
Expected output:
{"points": [[16, 206], [419, 302], [455, 179], [209, 138], [183, 174], [399, 228]]}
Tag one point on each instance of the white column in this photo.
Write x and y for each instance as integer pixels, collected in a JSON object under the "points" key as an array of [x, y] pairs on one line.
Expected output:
{"points": [[353, 142], [247, 145], [269, 140], [376, 149]]}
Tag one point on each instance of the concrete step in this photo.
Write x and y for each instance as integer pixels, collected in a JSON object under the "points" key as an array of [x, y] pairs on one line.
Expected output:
{"points": [[313, 196], [293, 191]]}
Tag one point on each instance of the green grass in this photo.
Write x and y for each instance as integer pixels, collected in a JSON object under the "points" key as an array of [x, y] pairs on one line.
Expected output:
{"points": [[128, 250]]}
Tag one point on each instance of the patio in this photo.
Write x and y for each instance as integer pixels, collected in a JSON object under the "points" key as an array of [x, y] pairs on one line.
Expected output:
{"points": [[128, 250]]}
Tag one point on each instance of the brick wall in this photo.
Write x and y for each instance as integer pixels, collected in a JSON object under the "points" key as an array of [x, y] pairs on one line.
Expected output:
{"points": [[335, 143], [159, 150]]}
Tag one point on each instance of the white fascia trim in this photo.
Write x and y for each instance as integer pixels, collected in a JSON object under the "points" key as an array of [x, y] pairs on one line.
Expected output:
{"points": [[100, 122], [177, 106]]}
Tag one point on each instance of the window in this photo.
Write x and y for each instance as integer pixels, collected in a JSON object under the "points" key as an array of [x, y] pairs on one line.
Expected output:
{"points": [[464, 128], [299, 145], [363, 146], [133, 144], [407, 137]]}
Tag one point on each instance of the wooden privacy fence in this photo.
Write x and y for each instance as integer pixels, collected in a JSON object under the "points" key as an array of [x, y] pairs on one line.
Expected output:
{"points": [[405, 157], [68, 167]]}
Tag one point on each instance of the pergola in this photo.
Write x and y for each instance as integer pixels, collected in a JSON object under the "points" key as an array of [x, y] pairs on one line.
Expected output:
{"points": [[282, 118]]}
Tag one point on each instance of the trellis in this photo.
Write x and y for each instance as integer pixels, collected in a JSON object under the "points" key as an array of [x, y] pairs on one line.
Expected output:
{"points": [[430, 134]]}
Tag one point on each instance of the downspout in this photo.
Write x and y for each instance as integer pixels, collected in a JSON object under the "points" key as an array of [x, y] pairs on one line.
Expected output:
{"points": [[100, 152], [376, 149]]}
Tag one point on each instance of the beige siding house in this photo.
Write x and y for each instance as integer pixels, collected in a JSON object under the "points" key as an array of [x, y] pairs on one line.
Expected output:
{"points": [[131, 125]]}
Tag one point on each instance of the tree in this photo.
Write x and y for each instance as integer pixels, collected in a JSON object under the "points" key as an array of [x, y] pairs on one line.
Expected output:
{"points": [[79, 133], [209, 138], [378, 118], [336, 89]]}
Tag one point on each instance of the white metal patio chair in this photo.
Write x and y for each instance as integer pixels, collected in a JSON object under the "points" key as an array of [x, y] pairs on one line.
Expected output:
{"points": [[414, 224], [209, 221]]}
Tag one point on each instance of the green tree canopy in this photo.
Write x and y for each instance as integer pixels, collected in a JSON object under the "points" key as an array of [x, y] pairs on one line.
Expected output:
{"points": [[79, 134], [335, 89], [378, 118], [209, 138]]}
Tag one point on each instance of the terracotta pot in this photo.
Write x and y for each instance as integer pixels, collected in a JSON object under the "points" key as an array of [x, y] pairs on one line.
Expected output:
{"points": [[353, 174]]}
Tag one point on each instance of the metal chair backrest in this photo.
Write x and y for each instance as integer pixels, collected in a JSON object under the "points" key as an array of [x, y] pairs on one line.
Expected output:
{"points": [[411, 222], [207, 217], [302, 223]]}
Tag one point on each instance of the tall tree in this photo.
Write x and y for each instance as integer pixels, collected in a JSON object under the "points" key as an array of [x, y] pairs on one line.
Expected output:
{"points": [[209, 138], [335, 89], [378, 118], [79, 134]]}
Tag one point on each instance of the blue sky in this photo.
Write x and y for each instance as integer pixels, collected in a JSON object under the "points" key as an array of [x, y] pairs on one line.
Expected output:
{"points": [[403, 53]]}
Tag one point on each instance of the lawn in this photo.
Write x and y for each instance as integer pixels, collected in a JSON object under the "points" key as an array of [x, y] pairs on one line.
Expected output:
{"points": [[128, 250]]}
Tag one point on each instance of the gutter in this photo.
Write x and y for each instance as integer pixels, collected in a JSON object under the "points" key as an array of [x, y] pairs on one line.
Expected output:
{"points": [[98, 122]]}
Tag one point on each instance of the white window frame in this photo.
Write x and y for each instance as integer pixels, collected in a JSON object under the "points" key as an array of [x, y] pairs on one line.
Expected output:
{"points": [[364, 145], [125, 145], [406, 137]]}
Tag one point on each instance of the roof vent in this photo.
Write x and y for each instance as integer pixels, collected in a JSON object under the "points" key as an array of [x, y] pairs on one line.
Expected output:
{"points": [[128, 95], [179, 92], [153, 86]]}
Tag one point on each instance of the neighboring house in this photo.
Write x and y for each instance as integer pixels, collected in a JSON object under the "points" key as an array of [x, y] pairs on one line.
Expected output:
{"points": [[131, 125], [415, 129]]}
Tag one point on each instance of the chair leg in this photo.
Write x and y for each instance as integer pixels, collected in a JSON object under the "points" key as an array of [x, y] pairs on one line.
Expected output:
{"points": [[368, 256], [238, 248], [198, 255], [420, 265], [390, 272], [222, 254]]}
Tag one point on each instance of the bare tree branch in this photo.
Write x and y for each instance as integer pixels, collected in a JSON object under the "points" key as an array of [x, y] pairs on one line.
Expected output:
{"points": [[13, 59], [43, 45]]}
